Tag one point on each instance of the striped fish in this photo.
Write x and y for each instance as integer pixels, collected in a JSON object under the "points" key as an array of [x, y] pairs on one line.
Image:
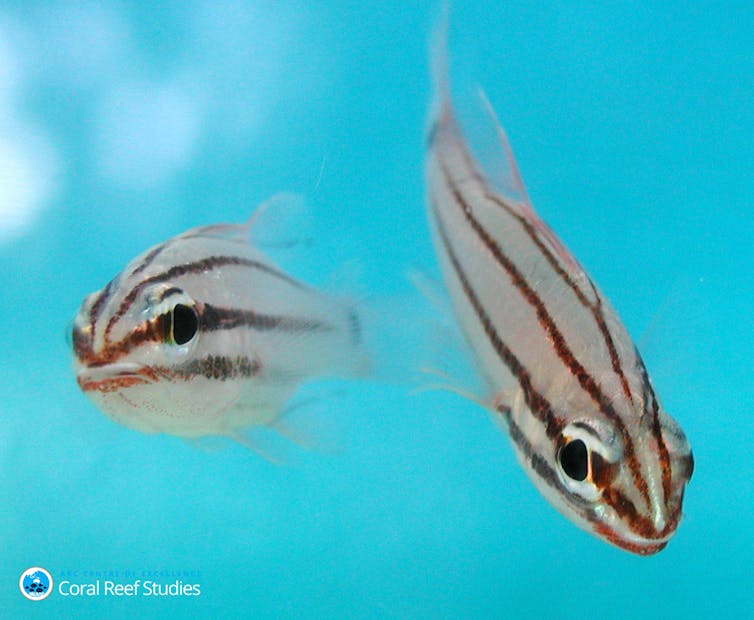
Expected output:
{"points": [[562, 375], [204, 335]]}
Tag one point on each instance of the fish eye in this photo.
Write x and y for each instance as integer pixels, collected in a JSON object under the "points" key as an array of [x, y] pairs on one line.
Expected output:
{"points": [[185, 323], [180, 324], [574, 460]]}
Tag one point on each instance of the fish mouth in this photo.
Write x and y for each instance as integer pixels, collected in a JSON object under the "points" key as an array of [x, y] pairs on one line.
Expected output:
{"points": [[636, 543], [113, 377]]}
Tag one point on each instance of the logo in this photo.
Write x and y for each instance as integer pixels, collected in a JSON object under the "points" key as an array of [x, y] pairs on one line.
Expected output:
{"points": [[35, 583]]}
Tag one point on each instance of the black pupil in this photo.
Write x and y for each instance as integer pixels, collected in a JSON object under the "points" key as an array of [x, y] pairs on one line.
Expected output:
{"points": [[184, 324], [573, 459]]}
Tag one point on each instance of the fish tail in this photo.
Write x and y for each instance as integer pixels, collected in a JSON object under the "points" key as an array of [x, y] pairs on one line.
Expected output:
{"points": [[361, 334], [470, 130], [441, 103], [397, 335]]}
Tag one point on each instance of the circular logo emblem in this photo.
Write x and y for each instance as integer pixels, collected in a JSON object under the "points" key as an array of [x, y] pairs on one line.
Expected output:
{"points": [[35, 583]]}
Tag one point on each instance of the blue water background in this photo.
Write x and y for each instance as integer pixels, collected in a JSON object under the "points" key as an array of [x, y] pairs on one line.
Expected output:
{"points": [[124, 123]]}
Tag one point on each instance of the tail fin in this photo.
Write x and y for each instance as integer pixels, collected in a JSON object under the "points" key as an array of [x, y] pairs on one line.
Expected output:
{"points": [[391, 333], [396, 335], [441, 102]]}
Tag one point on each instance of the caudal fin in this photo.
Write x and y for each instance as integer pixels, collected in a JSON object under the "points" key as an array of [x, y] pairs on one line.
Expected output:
{"points": [[441, 102]]}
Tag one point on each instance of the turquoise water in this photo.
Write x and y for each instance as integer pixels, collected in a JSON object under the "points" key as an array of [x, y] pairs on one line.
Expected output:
{"points": [[123, 124]]}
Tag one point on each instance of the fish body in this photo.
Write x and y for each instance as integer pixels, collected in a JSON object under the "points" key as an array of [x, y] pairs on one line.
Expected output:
{"points": [[205, 335], [560, 370]]}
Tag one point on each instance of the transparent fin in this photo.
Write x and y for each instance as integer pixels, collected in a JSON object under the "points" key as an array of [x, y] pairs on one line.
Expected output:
{"points": [[308, 423], [388, 333], [498, 163], [449, 384], [471, 130], [473, 122], [304, 423], [208, 443], [251, 439], [441, 104], [397, 337], [263, 443], [282, 222], [446, 354], [500, 167], [673, 345], [501, 404], [482, 134]]}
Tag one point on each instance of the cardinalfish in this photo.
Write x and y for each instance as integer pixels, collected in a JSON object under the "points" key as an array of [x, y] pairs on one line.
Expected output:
{"points": [[560, 371], [204, 335]]}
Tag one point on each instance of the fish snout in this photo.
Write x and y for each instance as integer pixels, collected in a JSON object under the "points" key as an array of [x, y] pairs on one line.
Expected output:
{"points": [[110, 377]]}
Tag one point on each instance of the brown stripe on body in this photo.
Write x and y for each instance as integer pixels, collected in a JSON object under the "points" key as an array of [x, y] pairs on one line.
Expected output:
{"points": [[86, 343], [200, 266], [640, 549], [149, 258], [112, 384], [218, 367], [173, 290], [541, 466], [556, 338], [537, 403], [596, 309], [627, 511], [153, 330], [529, 228], [588, 429], [212, 318], [640, 524], [662, 449], [599, 317], [99, 304]]}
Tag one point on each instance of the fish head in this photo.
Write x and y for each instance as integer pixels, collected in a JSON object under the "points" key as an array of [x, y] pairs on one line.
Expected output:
{"points": [[139, 356], [624, 484]]}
